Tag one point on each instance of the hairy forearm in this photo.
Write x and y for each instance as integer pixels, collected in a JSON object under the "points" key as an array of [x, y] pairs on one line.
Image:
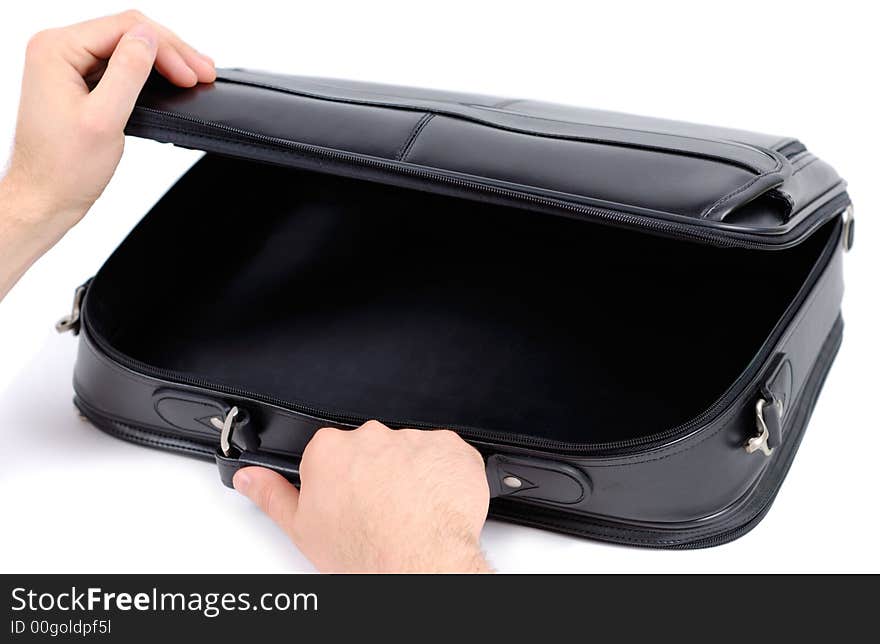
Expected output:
{"points": [[440, 553], [27, 230]]}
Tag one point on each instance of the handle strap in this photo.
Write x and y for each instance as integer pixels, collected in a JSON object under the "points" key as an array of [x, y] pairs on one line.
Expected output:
{"points": [[508, 476]]}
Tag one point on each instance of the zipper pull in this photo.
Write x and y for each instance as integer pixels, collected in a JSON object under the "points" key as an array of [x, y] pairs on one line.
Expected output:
{"points": [[71, 322]]}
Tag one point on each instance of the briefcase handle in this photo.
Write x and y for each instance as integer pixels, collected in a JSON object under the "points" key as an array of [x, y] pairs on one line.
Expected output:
{"points": [[524, 477]]}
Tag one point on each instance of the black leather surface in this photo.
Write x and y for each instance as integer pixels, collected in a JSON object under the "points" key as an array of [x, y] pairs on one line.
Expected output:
{"points": [[653, 167]]}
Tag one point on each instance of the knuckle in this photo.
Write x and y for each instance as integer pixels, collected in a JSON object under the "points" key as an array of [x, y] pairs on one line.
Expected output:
{"points": [[475, 456], [39, 43], [133, 56], [320, 452], [133, 15], [373, 426], [326, 434], [447, 436], [321, 439]]}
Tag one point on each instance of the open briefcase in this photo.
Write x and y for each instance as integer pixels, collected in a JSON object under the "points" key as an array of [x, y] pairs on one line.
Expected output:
{"points": [[630, 318]]}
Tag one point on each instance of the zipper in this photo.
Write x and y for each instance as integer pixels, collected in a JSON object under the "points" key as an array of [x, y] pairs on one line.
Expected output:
{"points": [[680, 230], [815, 382], [817, 377], [758, 502], [614, 448]]}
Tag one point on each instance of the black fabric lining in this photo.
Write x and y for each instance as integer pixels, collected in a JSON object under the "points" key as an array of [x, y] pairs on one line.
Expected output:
{"points": [[374, 301]]}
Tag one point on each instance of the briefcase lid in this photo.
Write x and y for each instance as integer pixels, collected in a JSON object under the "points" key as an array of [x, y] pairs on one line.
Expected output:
{"points": [[716, 185]]}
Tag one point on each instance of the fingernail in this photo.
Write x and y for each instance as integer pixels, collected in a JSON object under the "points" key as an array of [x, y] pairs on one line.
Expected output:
{"points": [[207, 58], [241, 481], [143, 32]]}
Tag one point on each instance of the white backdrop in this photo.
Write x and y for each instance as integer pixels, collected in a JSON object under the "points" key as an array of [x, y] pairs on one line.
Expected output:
{"points": [[73, 499]]}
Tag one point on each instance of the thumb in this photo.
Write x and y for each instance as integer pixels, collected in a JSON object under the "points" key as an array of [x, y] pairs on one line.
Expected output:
{"points": [[127, 71], [271, 492]]}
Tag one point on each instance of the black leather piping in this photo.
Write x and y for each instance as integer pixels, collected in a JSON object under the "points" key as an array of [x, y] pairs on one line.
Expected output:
{"points": [[142, 436], [502, 106], [772, 154]]}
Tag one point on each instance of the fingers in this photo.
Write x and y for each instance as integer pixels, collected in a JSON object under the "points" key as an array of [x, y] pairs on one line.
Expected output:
{"points": [[271, 492], [172, 66], [127, 71], [201, 65], [95, 40]]}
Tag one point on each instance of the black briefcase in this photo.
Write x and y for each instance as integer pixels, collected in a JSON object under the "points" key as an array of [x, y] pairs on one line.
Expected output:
{"points": [[630, 318]]}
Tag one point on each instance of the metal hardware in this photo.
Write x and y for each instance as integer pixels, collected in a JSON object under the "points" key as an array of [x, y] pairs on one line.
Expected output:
{"points": [[512, 482], [81, 415], [71, 322], [225, 427], [849, 224], [759, 442]]}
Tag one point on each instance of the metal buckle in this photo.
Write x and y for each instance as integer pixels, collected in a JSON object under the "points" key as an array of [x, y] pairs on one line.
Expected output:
{"points": [[759, 442], [226, 426], [849, 223], [71, 322]]}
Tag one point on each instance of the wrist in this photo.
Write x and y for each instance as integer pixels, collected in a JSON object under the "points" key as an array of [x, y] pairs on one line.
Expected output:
{"points": [[463, 555], [30, 210], [443, 554], [27, 230], [468, 559]]}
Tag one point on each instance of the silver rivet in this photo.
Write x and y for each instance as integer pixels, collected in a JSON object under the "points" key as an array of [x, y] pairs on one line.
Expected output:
{"points": [[512, 482]]}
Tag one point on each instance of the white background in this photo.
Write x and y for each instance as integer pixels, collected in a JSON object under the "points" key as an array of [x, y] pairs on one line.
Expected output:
{"points": [[73, 499]]}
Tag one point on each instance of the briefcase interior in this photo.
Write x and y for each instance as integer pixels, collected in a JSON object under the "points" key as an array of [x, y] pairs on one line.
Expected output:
{"points": [[357, 300]]}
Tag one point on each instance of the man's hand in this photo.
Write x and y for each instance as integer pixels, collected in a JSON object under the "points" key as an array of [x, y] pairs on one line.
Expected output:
{"points": [[380, 500], [68, 139]]}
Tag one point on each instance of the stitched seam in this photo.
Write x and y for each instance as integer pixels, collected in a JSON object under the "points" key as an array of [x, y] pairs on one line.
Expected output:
{"points": [[806, 165], [132, 434], [258, 147], [507, 462], [796, 324], [746, 186], [800, 156], [225, 141], [451, 114], [781, 143], [703, 215], [411, 140], [758, 502], [835, 188], [508, 102]]}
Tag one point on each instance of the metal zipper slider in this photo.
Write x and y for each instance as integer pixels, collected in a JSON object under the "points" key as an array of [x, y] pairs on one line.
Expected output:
{"points": [[71, 322]]}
